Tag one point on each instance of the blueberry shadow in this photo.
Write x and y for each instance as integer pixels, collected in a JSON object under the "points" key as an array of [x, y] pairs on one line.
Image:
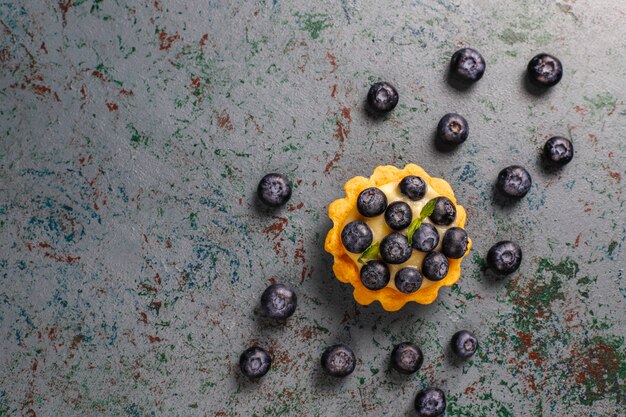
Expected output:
{"points": [[257, 206], [326, 383], [503, 201], [373, 114], [546, 166], [457, 362], [531, 88], [458, 83], [443, 147], [395, 377]]}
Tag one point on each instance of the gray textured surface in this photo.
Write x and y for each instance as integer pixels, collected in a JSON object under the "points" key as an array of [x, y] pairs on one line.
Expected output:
{"points": [[133, 254]]}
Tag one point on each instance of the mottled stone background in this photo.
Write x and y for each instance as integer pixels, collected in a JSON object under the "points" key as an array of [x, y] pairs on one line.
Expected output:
{"points": [[133, 253]]}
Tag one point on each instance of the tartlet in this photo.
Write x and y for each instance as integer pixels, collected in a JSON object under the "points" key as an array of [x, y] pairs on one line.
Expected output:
{"points": [[347, 265]]}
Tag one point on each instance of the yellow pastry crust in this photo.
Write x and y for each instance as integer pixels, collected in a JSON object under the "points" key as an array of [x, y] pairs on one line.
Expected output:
{"points": [[345, 268]]}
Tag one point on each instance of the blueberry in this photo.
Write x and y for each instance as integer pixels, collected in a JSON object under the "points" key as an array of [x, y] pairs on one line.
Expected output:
{"points": [[395, 249], [413, 187], [464, 344], [398, 215], [274, 190], [425, 238], [544, 70], [338, 360], [254, 362], [452, 129], [382, 97], [279, 301], [375, 275], [430, 402], [356, 236], [558, 150], [408, 280], [514, 181], [435, 266], [504, 257], [454, 243], [468, 65], [371, 202], [407, 358], [444, 212]]}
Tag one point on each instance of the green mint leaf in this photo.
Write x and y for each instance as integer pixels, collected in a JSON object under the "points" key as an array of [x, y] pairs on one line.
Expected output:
{"points": [[428, 209], [370, 253], [415, 224]]}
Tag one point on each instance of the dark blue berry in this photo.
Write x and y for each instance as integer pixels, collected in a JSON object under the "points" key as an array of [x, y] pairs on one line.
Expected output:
{"points": [[371, 202], [279, 301], [558, 150], [454, 243], [356, 236], [452, 129], [274, 190], [544, 70], [407, 358], [425, 238], [435, 266], [255, 362], [464, 344], [504, 257], [430, 402], [408, 280], [382, 97], [375, 275], [395, 249], [444, 212], [413, 187], [398, 215], [468, 65], [338, 360], [514, 181]]}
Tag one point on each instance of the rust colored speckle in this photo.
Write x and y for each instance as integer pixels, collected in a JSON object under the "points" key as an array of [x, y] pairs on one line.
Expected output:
{"points": [[125, 92], [154, 339], [112, 106], [223, 121], [277, 227], [333, 91], [332, 60], [60, 258], [98, 74], [346, 113], [204, 39], [330, 163], [613, 174], [65, 7], [342, 131], [41, 89], [599, 364], [77, 340], [166, 41], [296, 207], [580, 110]]}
